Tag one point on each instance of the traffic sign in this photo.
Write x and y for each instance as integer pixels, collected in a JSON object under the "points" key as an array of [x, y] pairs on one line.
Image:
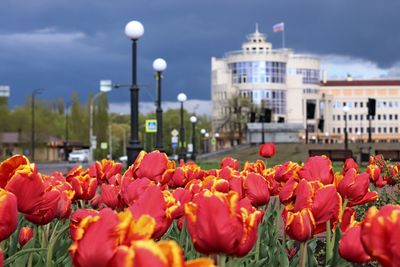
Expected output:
{"points": [[103, 145], [174, 139], [190, 148], [174, 132], [213, 141], [151, 126], [174, 145]]}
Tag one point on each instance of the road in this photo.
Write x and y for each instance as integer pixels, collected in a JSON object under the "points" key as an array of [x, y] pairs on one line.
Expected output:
{"points": [[64, 167]]}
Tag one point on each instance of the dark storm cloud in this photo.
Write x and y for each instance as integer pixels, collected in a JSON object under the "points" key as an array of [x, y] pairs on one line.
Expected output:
{"points": [[69, 45]]}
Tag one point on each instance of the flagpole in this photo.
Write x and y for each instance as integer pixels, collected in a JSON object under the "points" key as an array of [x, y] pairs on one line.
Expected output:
{"points": [[283, 38]]}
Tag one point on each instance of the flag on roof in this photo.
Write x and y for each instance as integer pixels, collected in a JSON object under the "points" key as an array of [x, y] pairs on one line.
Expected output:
{"points": [[280, 27]]}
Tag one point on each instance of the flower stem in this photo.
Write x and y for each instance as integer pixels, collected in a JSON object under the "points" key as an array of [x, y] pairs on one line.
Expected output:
{"points": [[222, 260], [328, 249], [303, 254]]}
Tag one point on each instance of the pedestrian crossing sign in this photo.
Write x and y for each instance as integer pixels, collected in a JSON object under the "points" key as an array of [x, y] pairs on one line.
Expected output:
{"points": [[151, 126]]}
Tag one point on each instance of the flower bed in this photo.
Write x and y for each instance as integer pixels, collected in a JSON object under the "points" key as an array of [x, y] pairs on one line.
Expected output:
{"points": [[158, 214]]}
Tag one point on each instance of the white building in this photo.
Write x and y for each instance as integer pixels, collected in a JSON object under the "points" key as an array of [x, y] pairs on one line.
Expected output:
{"points": [[285, 82], [279, 77]]}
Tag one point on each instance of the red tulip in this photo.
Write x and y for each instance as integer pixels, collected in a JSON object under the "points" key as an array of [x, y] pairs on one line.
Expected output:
{"points": [[152, 166], [256, 189], [10, 166], [218, 223], [229, 162], [380, 234], [25, 234], [47, 209], [348, 219], [286, 171], [182, 196], [299, 225], [375, 175], [104, 170], [131, 190], [257, 167], [287, 192], [110, 196], [355, 188], [314, 205], [267, 150], [84, 186], [351, 248], [8, 214], [348, 164], [1, 258], [317, 168], [152, 203], [97, 236], [27, 185]]}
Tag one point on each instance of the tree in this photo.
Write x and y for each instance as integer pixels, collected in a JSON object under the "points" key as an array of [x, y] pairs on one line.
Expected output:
{"points": [[235, 122], [79, 125]]}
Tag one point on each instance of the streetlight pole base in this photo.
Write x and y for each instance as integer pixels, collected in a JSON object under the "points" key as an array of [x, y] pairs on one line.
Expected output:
{"points": [[133, 151]]}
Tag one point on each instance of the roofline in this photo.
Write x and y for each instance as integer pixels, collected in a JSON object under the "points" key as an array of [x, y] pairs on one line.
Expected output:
{"points": [[361, 83]]}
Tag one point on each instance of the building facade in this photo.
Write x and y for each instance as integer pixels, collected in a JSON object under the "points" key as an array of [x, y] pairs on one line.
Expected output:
{"points": [[258, 77], [354, 95], [277, 79]]}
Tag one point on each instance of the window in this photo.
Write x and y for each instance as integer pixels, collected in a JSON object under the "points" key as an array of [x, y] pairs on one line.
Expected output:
{"points": [[355, 104], [333, 130], [362, 130], [356, 130], [361, 116], [379, 117], [396, 116], [338, 117], [373, 129], [396, 129], [355, 117], [333, 117], [350, 130], [379, 129], [390, 117], [350, 117], [384, 129], [384, 117], [338, 130], [361, 104], [390, 104], [391, 130]]}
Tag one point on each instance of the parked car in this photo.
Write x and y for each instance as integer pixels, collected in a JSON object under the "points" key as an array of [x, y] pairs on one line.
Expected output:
{"points": [[81, 155]]}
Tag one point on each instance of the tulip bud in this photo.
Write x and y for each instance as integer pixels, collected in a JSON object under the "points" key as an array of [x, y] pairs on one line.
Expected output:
{"points": [[25, 234], [267, 150]]}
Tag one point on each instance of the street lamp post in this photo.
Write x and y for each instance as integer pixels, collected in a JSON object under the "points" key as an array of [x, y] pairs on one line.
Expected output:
{"points": [[346, 138], [66, 132], [182, 153], [206, 141], [193, 120], [34, 93], [203, 133], [134, 30], [159, 65]]}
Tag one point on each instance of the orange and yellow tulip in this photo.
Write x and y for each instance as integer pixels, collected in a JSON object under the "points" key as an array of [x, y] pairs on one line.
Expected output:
{"points": [[218, 223], [380, 235]]}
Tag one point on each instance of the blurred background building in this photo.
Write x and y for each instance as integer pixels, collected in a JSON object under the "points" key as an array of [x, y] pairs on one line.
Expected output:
{"points": [[285, 97]]}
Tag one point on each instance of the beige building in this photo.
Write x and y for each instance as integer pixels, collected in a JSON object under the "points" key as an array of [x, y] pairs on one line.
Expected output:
{"points": [[354, 94]]}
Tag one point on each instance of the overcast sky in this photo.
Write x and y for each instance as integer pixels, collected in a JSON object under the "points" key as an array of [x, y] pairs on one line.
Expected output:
{"points": [[70, 45]]}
